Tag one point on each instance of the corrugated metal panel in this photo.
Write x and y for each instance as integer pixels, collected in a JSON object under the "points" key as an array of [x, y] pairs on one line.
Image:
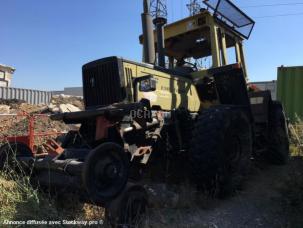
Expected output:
{"points": [[30, 96], [290, 90], [72, 91]]}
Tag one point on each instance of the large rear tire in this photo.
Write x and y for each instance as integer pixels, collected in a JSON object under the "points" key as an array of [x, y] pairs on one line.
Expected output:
{"points": [[220, 150], [278, 140]]}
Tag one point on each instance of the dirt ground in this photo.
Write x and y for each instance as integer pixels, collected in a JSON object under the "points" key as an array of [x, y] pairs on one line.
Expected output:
{"points": [[261, 203], [13, 123]]}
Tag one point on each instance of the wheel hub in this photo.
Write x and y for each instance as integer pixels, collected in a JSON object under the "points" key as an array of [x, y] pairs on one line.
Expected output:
{"points": [[111, 171]]}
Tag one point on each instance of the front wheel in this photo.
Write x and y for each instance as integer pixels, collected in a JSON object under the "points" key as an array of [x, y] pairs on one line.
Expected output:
{"points": [[105, 172]]}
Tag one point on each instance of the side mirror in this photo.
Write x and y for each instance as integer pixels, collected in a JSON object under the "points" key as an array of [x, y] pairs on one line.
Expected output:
{"points": [[147, 84]]}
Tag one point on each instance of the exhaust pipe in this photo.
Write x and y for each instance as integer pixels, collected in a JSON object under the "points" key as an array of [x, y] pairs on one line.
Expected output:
{"points": [[159, 23], [148, 34]]}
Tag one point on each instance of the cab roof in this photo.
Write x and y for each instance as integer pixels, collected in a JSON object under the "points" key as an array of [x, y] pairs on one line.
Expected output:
{"points": [[191, 36]]}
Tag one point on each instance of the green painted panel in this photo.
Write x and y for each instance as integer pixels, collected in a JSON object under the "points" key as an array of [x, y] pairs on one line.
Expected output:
{"points": [[290, 91]]}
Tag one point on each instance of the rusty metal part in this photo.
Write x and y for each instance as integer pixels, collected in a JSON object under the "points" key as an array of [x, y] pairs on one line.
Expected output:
{"points": [[29, 138], [143, 152], [102, 125], [52, 147]]}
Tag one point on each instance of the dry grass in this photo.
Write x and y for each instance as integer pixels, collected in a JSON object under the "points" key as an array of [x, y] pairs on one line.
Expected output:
{"points": [[292, 188], [296, 134], [20, 201]]}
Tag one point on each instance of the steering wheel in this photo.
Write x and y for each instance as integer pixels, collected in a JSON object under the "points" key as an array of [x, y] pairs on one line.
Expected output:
{"points": [[194, 65]]}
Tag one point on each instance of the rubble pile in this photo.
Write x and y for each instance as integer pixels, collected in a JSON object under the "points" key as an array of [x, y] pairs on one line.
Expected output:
{"points": [[58, 104], [13, 106], [18, 125], [11, 102], [65, 103]]}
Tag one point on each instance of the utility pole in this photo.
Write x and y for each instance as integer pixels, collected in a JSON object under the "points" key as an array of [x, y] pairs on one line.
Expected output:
{"points": [[194, 7]]}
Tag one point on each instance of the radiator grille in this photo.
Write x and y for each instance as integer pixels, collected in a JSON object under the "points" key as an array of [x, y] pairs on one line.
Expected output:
{"points": [[101, 83]]}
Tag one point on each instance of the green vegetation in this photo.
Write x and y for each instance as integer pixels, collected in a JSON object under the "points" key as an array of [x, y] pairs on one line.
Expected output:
{"points": [[296, 137], [20, 201]]}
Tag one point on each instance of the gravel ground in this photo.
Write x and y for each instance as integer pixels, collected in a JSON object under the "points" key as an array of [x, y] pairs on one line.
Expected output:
{"points": [[258, 205]]}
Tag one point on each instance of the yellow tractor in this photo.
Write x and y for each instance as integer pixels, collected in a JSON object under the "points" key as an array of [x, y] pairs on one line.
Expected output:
{"points": [[169, 119]]}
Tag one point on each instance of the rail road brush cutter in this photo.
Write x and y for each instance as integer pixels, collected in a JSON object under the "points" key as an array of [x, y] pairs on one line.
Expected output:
{"points": [[167, 120]]}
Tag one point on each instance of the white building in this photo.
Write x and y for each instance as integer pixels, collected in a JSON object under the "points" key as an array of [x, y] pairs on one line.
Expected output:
{"points": [[6, 73]]}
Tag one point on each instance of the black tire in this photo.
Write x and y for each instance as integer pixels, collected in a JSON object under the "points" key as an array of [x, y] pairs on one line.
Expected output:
{"points": [[129, 209], [185, 122], [221, 149], [9, 154], [105, 172], [278, 139]]}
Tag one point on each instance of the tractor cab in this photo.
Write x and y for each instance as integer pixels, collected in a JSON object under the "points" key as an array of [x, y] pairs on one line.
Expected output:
{"points": [[208, 36]]}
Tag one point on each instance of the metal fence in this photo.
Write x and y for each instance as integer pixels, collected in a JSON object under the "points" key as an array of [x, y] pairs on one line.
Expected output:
{"points": [[30, 96], [72, 91], [269, 85]]}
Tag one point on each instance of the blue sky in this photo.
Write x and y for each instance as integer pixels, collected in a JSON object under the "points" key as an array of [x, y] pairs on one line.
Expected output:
{"points": [[48, 41]]}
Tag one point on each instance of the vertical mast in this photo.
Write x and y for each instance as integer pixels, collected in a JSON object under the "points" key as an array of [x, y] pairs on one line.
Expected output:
{"points": [[148, 34]]}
